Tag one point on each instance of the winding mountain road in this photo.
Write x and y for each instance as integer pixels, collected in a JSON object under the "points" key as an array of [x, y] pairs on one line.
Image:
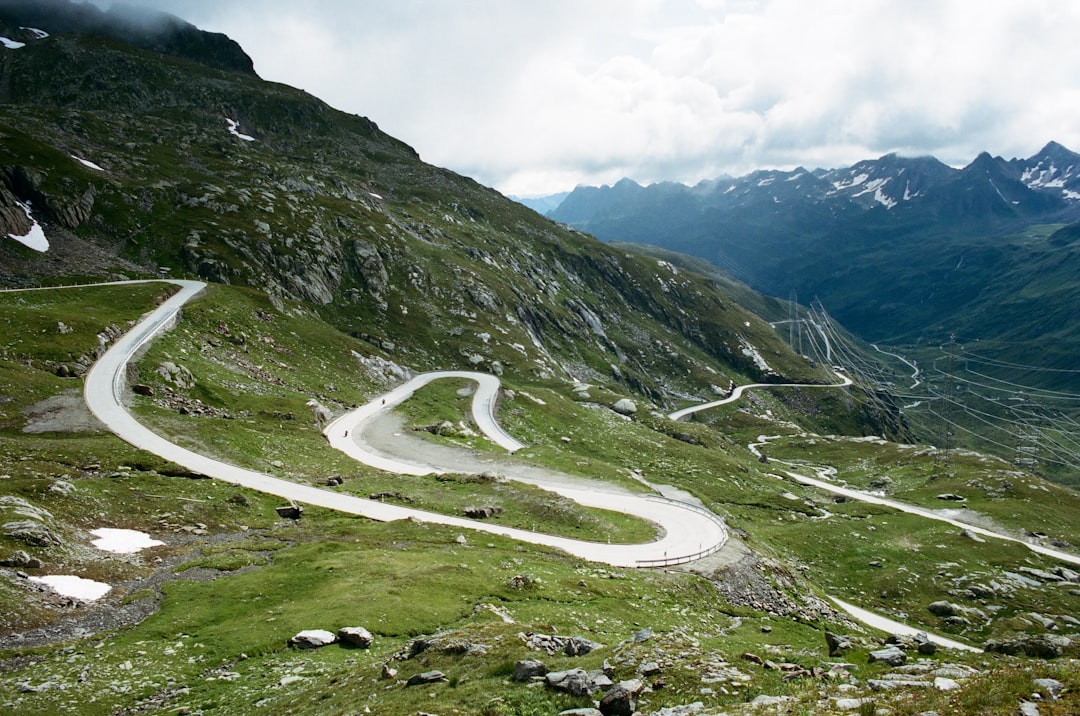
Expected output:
{"points": [[688, 532]]}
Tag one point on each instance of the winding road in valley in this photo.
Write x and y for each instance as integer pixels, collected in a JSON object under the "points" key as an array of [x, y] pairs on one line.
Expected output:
{"points": [[687, 532]]}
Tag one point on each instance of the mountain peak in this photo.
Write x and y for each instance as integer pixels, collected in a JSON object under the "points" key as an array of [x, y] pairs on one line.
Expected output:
{"points": [[138, 26]]}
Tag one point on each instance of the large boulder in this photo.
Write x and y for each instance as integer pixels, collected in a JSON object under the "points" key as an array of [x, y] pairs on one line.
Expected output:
{"points": [[890, 655], [528, 669], [357, 636], [619, 701], [625, 406], [312, 639], [427, 677], [573, 681]]}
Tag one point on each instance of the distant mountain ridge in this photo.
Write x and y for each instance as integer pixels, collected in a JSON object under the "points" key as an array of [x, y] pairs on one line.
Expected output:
{"points": [[898, 248]]}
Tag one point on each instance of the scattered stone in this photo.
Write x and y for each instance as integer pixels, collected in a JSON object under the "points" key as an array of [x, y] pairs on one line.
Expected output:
{"points": [[461, 539], [892, 656], [971, 535], [1067, 574], [943, 609], [334, 481], [837, 644], [951, 497], [765, 700], [388, 672], [480, 513], [1051, 687], [291, 512], [625, 406], [642, 635], [142, 389], [650, 668], [579, 646], [358, 637], [942, 683], [581, 712], [1028, 708], [427, 677], [31, 532], [619, 701], [380, 496], [752, 658], [573, 681], [312, 639], [523, 581], [1041, 574], [528, 669], [1042, 646], [847, 704], [21, 560]]}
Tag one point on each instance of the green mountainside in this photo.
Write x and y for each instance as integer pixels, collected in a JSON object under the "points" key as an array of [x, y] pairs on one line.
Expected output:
{"points": [[337, 263]]}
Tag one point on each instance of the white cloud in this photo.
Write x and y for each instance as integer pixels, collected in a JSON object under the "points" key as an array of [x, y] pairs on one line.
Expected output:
{"points": [[536, 97]]}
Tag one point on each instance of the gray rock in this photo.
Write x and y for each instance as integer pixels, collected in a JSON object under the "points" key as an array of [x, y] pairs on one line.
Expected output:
{"points": [[21, 560], [1041, 574], [428, 677], [951, 497], [943, 609], [1027, 708], [1067, 574], [892, 656], [581, 712], [573, 681], [971, 536], [642, 635], [625, 406], [312, 639], [650, 668], [355, 636], [527, 669], [837, 644], [31, 532], [619, 701], [1043, 646], [1050, 687], [889, 684], [579, 646]]}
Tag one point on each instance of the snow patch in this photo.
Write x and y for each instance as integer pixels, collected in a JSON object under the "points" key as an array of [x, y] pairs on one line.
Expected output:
{"points": [[1071, 194], [66, 585], [35, 238], [750, 352], [38, 34], [373, 194], [11, 44], [855, 181], [87, 163], [881, 198], [122, 541], [233, 124]]}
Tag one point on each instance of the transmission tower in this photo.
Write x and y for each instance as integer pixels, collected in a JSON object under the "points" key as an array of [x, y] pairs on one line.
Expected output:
{"points": [[1027, 435], [948, 393]]}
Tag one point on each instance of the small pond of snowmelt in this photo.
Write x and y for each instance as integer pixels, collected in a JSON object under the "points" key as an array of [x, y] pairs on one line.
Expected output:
{"points": [[35, 239], [122, 541], [67, 585]]}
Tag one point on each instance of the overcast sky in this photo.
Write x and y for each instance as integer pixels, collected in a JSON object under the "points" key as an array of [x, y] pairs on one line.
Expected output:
{"points": [[536, 96]]}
